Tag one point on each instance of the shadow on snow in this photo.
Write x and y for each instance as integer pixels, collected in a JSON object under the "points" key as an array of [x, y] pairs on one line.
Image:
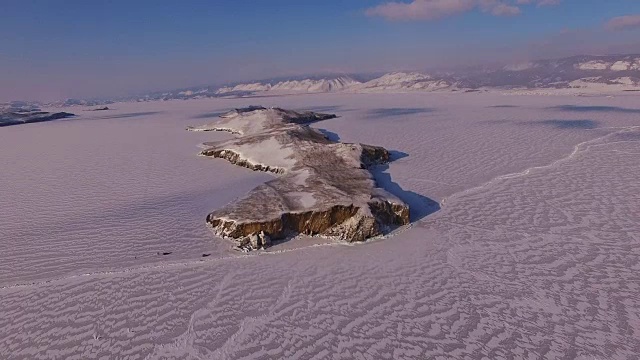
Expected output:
{"points": [[391, 112], [420, 206], [570, 124], [580, 108]]}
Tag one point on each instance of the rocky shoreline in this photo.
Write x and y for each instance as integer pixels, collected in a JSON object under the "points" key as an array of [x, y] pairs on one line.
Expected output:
{"points": [[19, 116]]}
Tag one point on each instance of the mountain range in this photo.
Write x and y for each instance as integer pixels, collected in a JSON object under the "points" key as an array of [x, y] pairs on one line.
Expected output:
{"points": [[585, 72]]}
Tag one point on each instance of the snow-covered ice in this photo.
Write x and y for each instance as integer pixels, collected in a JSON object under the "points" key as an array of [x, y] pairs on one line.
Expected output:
{"points": [[533, 253]]}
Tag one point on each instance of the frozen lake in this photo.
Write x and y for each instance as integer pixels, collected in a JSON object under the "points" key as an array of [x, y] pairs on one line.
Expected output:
{"points": [[534, 252]]}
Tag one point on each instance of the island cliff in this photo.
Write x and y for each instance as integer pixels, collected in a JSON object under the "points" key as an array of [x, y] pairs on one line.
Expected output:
{"points": [[323, 187]]}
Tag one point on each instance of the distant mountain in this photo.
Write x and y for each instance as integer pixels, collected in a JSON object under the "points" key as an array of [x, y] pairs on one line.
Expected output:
{"points": [[19, 106], [404, 81], [179, 94], [612, 71], [597, 73], [251, 87], [301, 85], [79, 102]]}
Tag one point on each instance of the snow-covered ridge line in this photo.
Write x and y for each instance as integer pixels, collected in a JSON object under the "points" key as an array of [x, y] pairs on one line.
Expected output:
{"points": [[594, 73], [407, 81], [395, 81], [305, 85], [324, 187], [614, 65]]}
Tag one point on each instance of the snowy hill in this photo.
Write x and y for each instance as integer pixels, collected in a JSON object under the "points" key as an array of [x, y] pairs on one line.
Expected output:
{"points": [[613, 71], [303, 85], [404, 81], [79, 102], [585, 72], [322, 85], [605, 73]]}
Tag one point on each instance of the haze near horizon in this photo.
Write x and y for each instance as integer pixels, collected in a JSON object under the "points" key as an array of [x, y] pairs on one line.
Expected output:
{"points": [[56, 50]]}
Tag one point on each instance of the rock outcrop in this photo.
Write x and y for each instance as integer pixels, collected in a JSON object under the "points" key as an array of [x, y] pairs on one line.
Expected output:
{"points": [[323, 187]]}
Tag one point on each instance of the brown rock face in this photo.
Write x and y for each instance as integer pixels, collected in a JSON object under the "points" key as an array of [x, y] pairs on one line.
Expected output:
{"points": [[324, 187], [236, 159]]}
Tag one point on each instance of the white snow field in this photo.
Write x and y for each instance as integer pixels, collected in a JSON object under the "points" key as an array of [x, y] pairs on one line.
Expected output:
{"points": [[533, 254]]}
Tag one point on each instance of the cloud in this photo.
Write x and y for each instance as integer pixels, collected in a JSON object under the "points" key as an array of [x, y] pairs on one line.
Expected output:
{"points": [[538, 2], [505, 10], [437, 9], [624, 23], [421, 9], [548, 2]]}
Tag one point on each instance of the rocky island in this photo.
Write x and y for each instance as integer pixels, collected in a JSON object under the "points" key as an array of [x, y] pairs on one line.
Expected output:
{"points": [[323, 187], [11, 116]]}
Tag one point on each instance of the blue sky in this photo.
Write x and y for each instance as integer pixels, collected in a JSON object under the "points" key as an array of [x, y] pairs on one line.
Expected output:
{"points": [[72, 48]]}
